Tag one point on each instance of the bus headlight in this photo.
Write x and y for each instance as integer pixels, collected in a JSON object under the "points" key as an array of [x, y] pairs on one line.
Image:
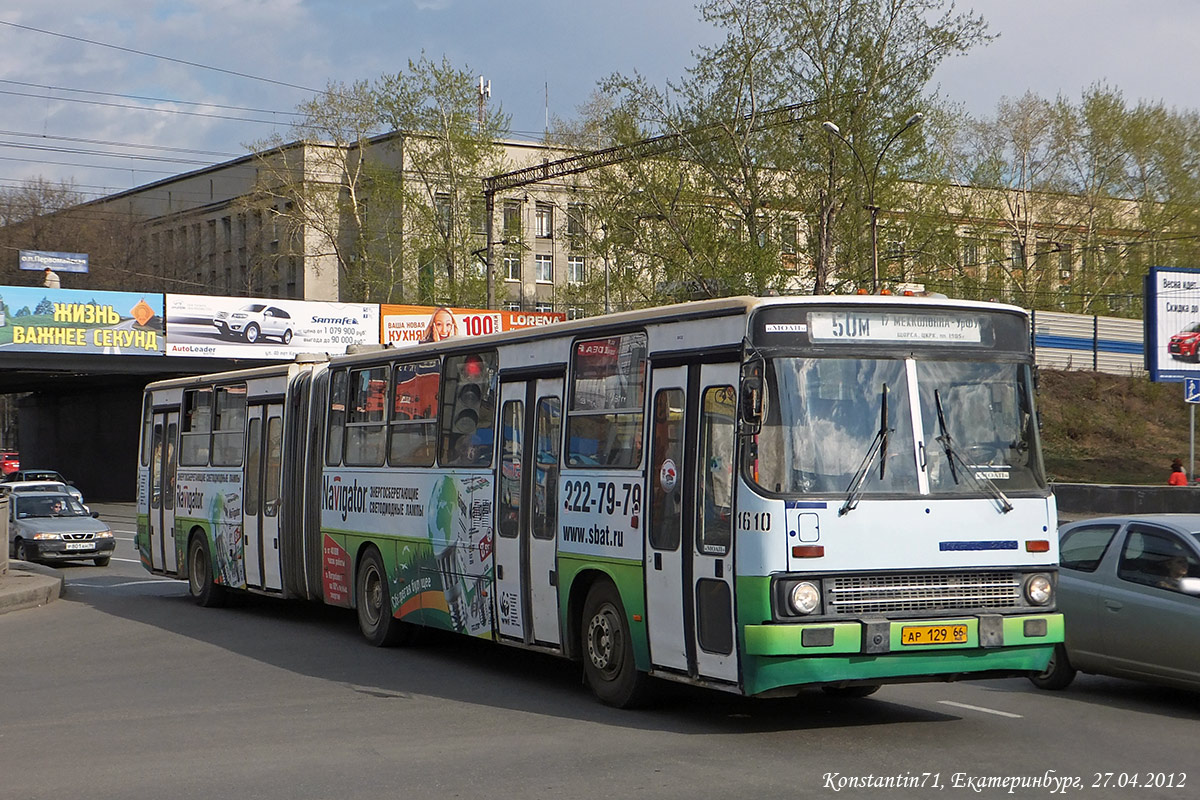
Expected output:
{"points": [[804, 598], [1039, 589]]}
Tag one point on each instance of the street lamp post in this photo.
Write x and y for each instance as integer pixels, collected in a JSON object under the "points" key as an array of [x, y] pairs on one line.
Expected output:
{"points": [[870, 177]]}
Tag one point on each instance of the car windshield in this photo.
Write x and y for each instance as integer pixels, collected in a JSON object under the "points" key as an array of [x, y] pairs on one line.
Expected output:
{"points": [[255, 307], [825, 419], [48, 505]]}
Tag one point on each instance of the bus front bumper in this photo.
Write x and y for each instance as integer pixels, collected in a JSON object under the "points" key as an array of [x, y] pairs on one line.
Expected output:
{"points": [[984, 631]]}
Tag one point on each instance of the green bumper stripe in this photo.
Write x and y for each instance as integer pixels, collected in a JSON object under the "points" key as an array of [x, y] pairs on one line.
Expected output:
{"points": [[787, 639]]}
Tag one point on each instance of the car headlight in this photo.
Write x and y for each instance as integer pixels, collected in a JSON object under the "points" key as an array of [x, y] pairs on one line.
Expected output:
{"points": [[804, 598], [104, 535], [46, 536], [1039, 589]]}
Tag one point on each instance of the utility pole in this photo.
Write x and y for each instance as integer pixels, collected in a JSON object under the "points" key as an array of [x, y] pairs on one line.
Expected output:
{"points": [[485, 91]]}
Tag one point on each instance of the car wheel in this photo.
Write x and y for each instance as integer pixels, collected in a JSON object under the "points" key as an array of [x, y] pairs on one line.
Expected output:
{"points": [[607, 649], [287, 337], [851, 691], [251, 333], [102, 561], [20, 553], [374, 605], [1058, 673], [200, 575]]}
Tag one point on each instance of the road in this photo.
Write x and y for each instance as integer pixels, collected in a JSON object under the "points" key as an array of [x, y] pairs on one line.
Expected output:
{"points": [[125, 689]]}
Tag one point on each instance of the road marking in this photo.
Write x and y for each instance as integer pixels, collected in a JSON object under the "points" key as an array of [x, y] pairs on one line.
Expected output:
{"points": [[129, 560], [980, 708], [160, 581]]}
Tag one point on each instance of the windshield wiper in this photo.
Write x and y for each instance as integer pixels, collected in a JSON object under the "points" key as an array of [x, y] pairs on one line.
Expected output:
{"points": [[978, 480], [878, 445]]}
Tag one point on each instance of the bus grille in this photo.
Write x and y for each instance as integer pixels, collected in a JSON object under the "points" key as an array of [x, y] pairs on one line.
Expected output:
{"points": [[923, 591]]}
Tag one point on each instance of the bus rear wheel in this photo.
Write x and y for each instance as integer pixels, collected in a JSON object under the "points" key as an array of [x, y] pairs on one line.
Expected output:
{"points": [[374, 604], [200, 575], [607, 649]]}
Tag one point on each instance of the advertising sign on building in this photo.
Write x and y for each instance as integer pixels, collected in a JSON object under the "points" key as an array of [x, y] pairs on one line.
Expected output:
{"points": [[35, 319], [405, 325], [38, 260], [1172, 323], [260, 328]]}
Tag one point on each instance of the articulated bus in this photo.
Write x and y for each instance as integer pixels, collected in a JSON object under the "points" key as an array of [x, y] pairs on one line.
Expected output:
{"points": [[754, 495]]}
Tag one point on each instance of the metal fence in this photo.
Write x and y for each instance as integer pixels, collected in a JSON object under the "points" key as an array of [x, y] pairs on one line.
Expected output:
{"points": [[1083, 342]]}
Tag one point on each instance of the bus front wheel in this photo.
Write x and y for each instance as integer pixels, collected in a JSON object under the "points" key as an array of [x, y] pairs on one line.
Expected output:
{"points": [[200, 575], [607, 649], [374, 603]]}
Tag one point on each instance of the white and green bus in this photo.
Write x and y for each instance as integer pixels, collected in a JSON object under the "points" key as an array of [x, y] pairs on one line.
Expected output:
{"points": [[755, 495]]}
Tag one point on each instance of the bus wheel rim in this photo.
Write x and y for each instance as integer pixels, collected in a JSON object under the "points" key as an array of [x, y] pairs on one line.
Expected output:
{"points": [[603, 641]]}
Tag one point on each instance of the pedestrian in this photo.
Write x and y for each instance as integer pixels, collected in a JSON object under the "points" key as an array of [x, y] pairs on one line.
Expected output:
{"points": [[50, 280], [1178, 476]]}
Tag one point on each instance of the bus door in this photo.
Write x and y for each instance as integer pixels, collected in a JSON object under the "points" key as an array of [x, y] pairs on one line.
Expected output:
{"points": [[163, 464], [527, 511], [260, 506], [714, 406], [665, 522], [689, 569]]}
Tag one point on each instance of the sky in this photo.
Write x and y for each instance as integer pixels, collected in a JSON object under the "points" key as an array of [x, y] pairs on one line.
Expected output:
{"points": [[114, 95]]}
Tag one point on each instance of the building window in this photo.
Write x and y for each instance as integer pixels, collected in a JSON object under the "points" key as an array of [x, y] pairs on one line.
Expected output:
{"points": [[575, 312], [544, 221], [576, 222], [543, 269], [575, 269], [478, 212], [543, 308], [512, 218], [444, 212], [510, 306], [787, 236], [512, 268]]}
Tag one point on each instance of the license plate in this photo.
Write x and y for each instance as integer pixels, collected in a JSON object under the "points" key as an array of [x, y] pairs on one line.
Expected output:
{"points": [[79, 545], [933, 634]]}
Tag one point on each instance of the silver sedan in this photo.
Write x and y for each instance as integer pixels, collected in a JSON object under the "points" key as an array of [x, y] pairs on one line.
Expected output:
{"points": [[1129, 588]]}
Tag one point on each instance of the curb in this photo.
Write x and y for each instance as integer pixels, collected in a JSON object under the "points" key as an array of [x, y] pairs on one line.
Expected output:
{"points": [[28, 585]]}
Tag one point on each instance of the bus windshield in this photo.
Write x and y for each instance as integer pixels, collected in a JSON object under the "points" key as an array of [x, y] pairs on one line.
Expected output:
{"points": [[822, 417]]}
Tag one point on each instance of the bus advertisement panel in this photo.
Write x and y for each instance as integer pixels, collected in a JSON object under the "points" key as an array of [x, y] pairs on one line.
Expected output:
{"points": [[406, 325]]}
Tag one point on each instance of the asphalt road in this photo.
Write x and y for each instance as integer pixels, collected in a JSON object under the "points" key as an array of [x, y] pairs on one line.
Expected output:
{"points": [[125, 689]]}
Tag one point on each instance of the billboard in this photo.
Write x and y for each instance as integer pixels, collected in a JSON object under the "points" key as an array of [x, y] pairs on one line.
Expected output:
{"points": [[404, 325], [59, 262], [264, 328], [35, 319], [1172, 323]]}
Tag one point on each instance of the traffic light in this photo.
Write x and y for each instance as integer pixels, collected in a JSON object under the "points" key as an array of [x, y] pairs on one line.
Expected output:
{"points": [[470, 411]]}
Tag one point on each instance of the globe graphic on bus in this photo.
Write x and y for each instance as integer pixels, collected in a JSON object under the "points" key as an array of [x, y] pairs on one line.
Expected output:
{"points": [[443, 515]]}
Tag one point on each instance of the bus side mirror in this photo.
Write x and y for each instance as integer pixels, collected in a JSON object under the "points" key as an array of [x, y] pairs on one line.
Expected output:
{"points": [[751, 404]]}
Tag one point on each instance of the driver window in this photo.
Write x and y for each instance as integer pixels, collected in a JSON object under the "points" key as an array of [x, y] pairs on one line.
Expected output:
{"points": [[1156, 558]]}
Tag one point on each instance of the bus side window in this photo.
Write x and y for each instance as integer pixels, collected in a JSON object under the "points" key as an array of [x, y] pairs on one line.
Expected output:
{"points": [[229, 426], [512, 448], [365, 429], [666, 460], [413, 436], [468, 410], [197, 426], [548, 422], [716, 470], [336, 420]]}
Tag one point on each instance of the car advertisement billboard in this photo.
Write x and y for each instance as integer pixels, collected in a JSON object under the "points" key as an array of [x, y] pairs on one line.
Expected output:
{"points": [[36, 319], [264, 328], [1172, 323], [402, 325]]}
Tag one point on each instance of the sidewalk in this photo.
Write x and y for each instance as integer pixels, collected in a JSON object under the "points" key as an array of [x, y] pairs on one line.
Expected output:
{"points": [[28, 585]]}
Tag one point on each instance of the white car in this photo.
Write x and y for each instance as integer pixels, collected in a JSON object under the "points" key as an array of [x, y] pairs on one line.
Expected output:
{"points": [[253, 321], [56, 487]]}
